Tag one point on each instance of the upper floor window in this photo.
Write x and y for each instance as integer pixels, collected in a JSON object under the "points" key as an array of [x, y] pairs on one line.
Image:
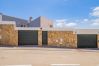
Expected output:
{"points": [[51, 25], [23, 26]]}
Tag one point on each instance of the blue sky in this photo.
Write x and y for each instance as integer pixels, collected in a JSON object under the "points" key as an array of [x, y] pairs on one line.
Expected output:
{"points": [[69, 12]]}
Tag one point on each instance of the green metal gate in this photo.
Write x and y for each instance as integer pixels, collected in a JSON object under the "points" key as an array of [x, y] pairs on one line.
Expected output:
{"points": [[87, 41], [27, 37], [44, 37]]}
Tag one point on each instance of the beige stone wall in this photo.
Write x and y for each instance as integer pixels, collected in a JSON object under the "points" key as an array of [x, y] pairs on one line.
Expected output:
{"points": [[40, 38], [62, 39], [9, 36], [98, 41]]}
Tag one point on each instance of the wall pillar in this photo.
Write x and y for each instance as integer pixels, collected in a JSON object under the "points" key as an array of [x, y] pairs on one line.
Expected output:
{"points": [[75, 41], [98, 41], [40, 38]]}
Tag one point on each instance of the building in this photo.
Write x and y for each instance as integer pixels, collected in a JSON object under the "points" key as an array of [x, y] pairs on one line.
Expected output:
{"points": [[19, 22], [38, 22], [41, 22], [10, 35]]}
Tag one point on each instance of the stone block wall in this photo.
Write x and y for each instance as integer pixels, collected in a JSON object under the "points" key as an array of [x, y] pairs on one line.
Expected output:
{"points": [[62, 39], [9, 36]]}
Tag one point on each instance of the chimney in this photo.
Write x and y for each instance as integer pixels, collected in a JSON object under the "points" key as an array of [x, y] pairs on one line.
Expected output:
{"points": [[30, 19]]}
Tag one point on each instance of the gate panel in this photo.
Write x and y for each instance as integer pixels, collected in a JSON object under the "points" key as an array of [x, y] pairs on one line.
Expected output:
{"points": [[27, 37], [44, 37], [87, 41]]}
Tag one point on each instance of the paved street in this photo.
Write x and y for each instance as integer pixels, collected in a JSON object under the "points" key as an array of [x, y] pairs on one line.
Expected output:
{"points": [[37, 56]]}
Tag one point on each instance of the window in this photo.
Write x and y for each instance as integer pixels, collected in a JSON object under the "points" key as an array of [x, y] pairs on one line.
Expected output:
{"points": [[51, 25], [23, 26]]}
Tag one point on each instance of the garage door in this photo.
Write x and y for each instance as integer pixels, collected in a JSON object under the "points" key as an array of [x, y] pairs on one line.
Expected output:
{"points": [[27, 37], [87, 41], [44, 38]]}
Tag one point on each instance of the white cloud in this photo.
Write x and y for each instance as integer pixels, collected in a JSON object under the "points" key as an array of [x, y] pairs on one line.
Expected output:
{"points": [[95, 12], [95, 22], [64, 23], [81, 23], [96, 8], [59, 24], [61, 20], [85, 20], [71, 24]]}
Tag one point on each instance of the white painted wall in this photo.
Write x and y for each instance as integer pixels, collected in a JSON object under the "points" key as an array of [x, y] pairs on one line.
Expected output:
{"points": [[46, 22], [87, 31], [41, 22]]}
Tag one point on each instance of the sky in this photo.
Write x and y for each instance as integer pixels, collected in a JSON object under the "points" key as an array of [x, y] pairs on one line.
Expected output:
{"points": [[64, 13]]}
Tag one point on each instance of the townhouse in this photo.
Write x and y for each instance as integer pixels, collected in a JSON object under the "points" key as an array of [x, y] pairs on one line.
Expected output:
{"points": [[40, 32]]}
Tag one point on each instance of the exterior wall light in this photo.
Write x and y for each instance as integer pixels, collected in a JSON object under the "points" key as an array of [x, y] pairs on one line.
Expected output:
{"points": [[41, 28]]}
